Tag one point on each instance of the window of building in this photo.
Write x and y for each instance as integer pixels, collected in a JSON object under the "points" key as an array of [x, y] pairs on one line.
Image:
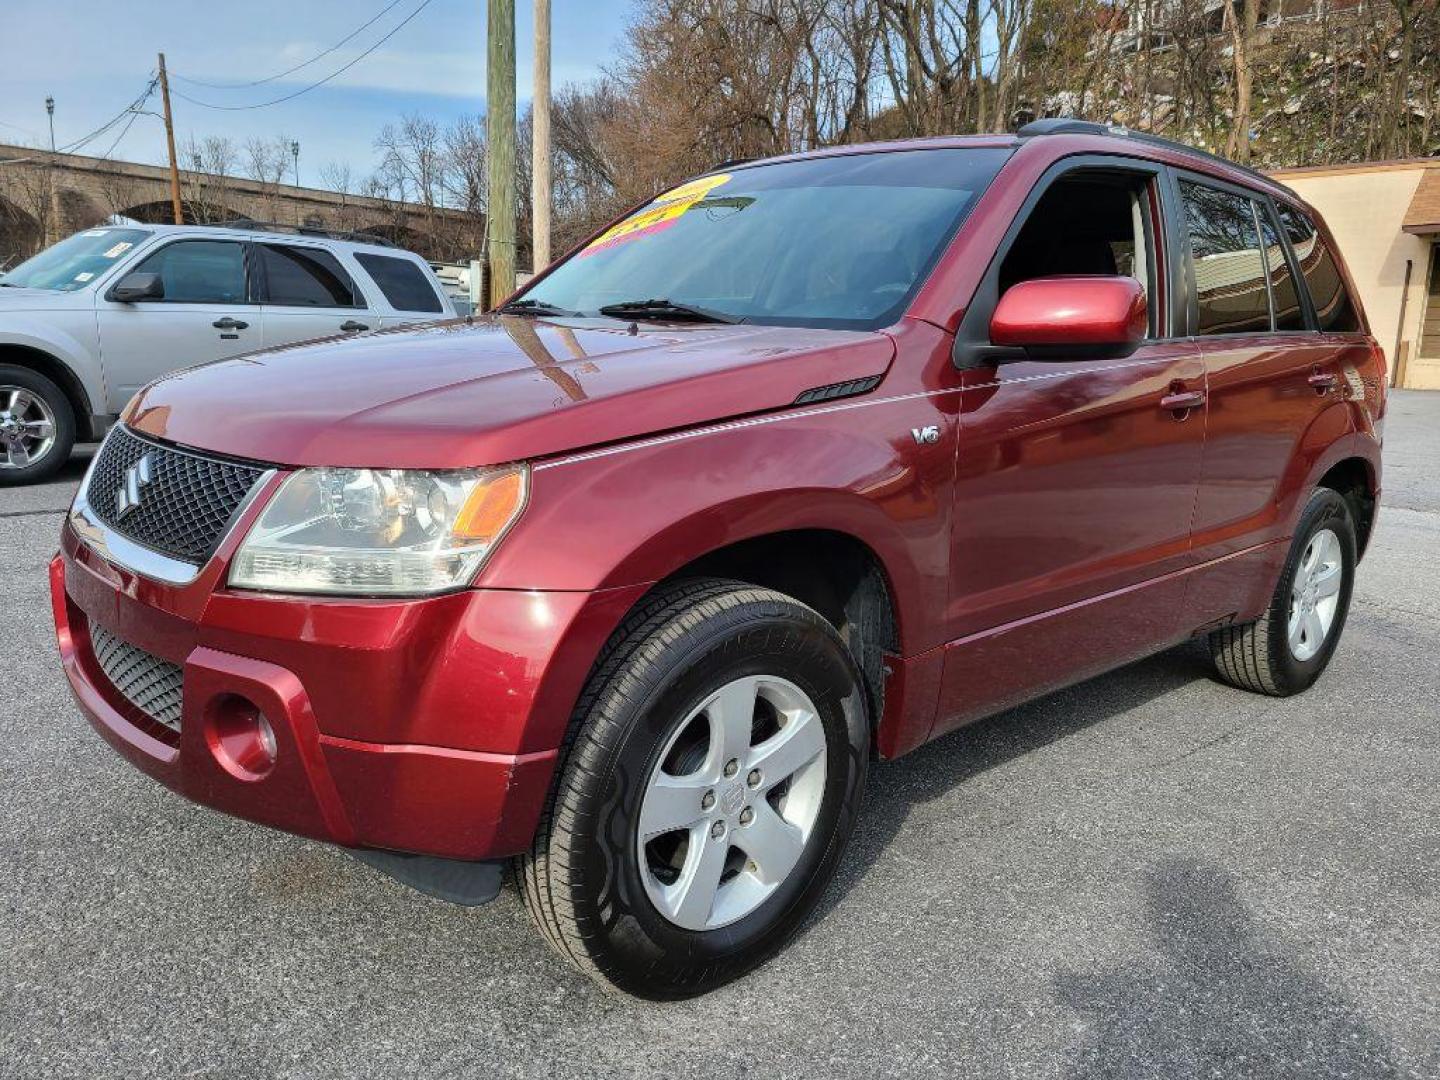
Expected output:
{"points": [[1229, 270], [404, 284], [306, 277], [1333, 308]]}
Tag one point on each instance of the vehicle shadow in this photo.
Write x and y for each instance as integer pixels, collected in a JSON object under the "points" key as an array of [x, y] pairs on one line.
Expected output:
{"points": [[950, 761], [1220, 998]]}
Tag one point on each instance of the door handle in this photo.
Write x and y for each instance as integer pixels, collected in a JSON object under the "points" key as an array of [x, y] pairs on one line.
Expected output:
{"points": [[227, 323], [350, 326], [1322, 380], [1181, 400]]}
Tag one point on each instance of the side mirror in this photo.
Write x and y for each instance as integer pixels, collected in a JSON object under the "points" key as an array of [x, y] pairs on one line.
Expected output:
{"points": [[133, 287], [1062, 318]]}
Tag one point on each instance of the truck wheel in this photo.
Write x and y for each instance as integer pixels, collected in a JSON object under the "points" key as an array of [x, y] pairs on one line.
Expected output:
{"points": [[1286, 649], [705, 793], [37, 426]]}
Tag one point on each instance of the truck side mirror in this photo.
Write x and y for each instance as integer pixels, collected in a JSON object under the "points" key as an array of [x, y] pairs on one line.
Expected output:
{"points": [[136, 287]]}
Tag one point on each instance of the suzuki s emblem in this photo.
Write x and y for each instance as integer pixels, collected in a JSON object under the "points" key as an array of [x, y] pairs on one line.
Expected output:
{"points": [[137, 479], [926, 436]]}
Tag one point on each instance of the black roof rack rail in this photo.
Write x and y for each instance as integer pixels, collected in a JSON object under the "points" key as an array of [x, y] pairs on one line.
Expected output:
{"points": [[354, 236], [1063, 125]]}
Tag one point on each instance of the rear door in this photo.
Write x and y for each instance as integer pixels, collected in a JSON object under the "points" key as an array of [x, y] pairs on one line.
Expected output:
{"points": [[1271, 371], [307, 294], [1076, 477], [207, 313]]}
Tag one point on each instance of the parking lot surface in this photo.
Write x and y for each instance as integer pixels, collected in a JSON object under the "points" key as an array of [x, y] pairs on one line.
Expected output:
{"points": [[1148, 875]]}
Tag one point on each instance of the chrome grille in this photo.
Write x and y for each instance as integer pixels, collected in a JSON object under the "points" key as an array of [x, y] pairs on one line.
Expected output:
{"points": [[182, 502], [150, 684]]}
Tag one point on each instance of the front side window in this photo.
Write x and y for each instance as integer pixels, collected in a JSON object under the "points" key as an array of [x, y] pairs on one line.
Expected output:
{"points": [[1230, 272], [305, 277], [200, 271], [404, 284], [74, 262], [1333, 309], [838, 242]]}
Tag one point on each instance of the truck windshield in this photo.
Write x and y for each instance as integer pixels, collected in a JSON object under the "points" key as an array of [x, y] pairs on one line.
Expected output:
{"points": [[75, 262], [840, 242]]}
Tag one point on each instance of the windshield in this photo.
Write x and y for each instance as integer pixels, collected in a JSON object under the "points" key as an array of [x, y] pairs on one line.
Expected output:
{"points": [[838, 242], [75, 262]]}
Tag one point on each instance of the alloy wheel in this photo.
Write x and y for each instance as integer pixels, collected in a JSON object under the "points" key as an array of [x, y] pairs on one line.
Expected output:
{"points": [[731, 802], [27, 427], [1315, 594]]}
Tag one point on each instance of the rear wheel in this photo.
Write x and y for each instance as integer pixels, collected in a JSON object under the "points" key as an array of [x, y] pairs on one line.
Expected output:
{"points": [[1286, 649], [705, 794], [37, 426]]}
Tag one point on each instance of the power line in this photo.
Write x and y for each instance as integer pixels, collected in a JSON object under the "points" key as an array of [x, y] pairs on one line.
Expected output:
{"points": [[290, 71], [306, 89], [70, 148]]}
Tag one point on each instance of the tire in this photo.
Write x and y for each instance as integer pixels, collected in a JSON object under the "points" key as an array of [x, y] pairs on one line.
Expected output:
{"points": [[25, 455], [597, 892], [1261, 656]]}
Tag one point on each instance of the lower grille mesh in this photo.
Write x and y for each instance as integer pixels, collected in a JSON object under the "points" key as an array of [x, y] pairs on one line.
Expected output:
{"points": [[150, 684]]}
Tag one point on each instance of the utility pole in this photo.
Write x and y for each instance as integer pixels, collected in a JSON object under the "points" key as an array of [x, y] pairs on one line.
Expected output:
{"points": [[540, 183], [170, 145], [500, 135], [52, 226]]}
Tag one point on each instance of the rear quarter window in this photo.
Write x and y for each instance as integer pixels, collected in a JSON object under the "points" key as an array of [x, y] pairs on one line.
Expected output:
{"points": [[405, 285], [1334, 310]]}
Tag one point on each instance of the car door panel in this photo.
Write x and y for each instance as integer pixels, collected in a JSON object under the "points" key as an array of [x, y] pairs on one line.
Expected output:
{"points": [[307, 294], [205, 315], [1075, 488]]}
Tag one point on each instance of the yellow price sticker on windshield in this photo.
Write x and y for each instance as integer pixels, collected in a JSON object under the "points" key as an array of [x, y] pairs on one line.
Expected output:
{"points": [[660, 214]]}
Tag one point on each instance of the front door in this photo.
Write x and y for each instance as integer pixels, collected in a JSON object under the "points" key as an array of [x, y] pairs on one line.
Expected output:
{"points": [[1076, 478], [204, 315]]}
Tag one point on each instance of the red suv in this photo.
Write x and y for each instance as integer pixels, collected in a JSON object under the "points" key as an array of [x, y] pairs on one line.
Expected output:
{"points": [[805, 461]]}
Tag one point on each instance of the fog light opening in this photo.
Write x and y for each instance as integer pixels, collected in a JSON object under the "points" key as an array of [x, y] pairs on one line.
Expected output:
{"points": [[240, 737]]}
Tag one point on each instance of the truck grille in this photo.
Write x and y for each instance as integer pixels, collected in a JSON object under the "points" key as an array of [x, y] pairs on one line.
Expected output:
{"points": [[150, 684], [185, 500]]}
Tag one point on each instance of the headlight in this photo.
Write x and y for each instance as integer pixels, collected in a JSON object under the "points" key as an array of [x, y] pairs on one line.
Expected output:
{"points": [[391, 532]]}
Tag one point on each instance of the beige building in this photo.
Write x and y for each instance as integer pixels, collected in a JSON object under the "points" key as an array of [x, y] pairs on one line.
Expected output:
{"points": [[1386, 219]]}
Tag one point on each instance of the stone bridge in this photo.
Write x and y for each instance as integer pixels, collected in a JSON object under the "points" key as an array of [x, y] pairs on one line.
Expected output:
{"points": [[45, 197]]}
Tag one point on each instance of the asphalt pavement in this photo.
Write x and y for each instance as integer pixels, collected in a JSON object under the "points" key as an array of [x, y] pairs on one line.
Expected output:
{"points": [[1148, 875]]}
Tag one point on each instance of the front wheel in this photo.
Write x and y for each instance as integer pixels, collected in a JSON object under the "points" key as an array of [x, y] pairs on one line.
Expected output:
{"points": [[705, 794], [37, 426], [1285, 650]]}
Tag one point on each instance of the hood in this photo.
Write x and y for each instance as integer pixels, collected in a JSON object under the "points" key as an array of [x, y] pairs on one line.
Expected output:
{"points": [[456, 394], [14, 299]]}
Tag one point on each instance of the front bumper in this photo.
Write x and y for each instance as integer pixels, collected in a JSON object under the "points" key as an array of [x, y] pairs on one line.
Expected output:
{"points": [[426, 726]]}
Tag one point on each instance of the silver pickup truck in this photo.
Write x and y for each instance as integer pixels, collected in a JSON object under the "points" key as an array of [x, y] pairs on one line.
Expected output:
{"points": [[86, 323]]}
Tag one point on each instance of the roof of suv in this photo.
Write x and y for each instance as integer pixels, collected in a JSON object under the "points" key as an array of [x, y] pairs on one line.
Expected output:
{"points": [[269, 231], [1064, 136]]}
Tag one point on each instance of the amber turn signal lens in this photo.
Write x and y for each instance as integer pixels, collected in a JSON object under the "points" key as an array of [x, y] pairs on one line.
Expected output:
{"points": [[491, 506]]}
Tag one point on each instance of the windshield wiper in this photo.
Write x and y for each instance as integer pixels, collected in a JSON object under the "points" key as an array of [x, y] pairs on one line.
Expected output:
{"points": [[532, 307], [665, 309]]}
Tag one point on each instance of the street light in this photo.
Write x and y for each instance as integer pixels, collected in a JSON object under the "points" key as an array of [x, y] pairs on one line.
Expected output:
{"points": [[52, 218], [295, 153], [50, 111]]}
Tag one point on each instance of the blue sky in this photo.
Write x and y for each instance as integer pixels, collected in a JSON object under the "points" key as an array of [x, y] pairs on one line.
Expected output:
{"points": [[95, 56]]}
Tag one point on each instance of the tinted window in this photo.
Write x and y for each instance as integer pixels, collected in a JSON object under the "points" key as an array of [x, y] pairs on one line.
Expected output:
{"points": [[1333, 309], [403, 283], [305, 277], [837, 241], [200, 271], [1288, 313], [1229, 272]]}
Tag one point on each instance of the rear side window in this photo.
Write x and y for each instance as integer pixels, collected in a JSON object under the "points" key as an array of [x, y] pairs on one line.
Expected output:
{"points": [[1288, 313], [1333, 308], [200, 271], [403, 283], [305, 277], [1229, 270]]}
